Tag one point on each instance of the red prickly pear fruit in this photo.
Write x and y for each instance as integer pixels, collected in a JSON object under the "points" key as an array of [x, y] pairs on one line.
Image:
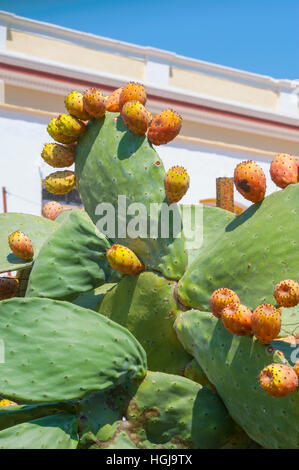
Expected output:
{"points": [[58, 156], [236, 318], [220, 299], [8, 287], [135, 117], [124, 260], [130, 92], [112, 102], [164, 127], [51, 210], [250, 181], [278, 380], [176, 183], [286, 293], [21, 245], [94, 102], [74, 105], [57, 135], [6, 402], [266, 323], [296, 368], [70, 126], [284, 170], [60, 182]]}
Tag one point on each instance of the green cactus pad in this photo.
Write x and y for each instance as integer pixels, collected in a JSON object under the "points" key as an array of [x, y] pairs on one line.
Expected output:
{"points": [[259, 249], [13, 415], [72, 261], [194, 371], [92, 298], [233, 364], [146, 305], [112, 161], [289, 321], [38, 229], [52, 432], [212, 222], [58, 351]]}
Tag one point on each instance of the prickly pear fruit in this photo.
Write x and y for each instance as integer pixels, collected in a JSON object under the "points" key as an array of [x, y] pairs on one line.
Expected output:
{"points": [[94, 102], [112, 102], [278, 380], [164, 127], [284, 170], [296, 368], [130, 92], [220, 299], [8, 287], [60, 182], [58, 155], [135, 117], [21, 245], [176, 183], [51, 210], [69, 125], [286, 293], [250, 181], [74, 105], [124, 260], [266, 322], [5, 402], [57, 135], [236, 318]]}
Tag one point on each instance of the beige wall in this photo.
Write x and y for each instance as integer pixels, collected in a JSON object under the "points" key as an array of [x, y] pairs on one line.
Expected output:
{"points": [[222, 88], [68, 53], [35, 99]]}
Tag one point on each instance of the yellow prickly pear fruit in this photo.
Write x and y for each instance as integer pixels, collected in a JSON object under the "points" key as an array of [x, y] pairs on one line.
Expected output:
{"points": [[21, 245], [5, 402], [266, 323], [8, 287], [74, 105], [132, 91], [124, 260], [60, 182], [69, 125], [135, 116], [286, 293], [164, 127], [57, 135], [58, 155], [94, 103], [176, 183], [278, 380], [112, 102]]}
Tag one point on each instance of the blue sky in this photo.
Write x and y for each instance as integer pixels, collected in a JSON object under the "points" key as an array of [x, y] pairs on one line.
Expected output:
{"points": [[260, 36]]}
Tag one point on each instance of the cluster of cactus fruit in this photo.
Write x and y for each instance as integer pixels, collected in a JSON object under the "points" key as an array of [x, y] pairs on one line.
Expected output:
{"points": [[142, 342]]}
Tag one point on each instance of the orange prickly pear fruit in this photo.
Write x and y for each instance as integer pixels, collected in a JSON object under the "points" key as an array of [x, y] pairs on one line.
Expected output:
{"points": [[5, 402], [130, 92], [236, 318], [94, 102], [284, 170], [176, 183], [250, 181], [74, 105], [51, 210], [69, 125], [220, 299], [135, 117], [124, 260], [57, 135], [286, 293], [296, 368], [21, 245], [60, 182], [266, 323], [278, 380], [164, 127], [8, 287], [58, 156], [112, 102]]}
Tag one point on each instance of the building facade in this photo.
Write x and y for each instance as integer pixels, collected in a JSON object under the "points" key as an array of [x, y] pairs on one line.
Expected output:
{"points": [[228, 115]]}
